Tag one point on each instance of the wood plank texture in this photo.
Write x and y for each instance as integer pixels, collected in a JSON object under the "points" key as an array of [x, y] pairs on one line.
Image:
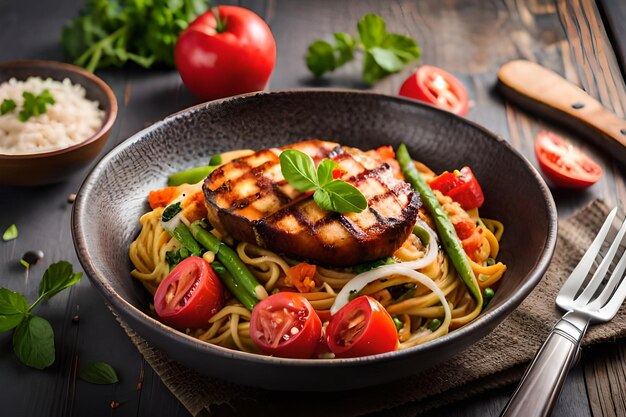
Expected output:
{"points": [[471, 38]]}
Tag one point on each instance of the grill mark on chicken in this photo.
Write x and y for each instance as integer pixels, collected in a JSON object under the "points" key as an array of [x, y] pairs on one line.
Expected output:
{"points": [[259, 206]]}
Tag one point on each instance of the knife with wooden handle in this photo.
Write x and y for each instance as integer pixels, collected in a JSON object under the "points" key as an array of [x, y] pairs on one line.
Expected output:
{"points": [[545, 92]]}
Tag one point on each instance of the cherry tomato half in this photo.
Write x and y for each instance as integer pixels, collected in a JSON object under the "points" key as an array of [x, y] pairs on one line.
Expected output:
{"points": [[190, 295], [462, 187], [233, 56], [361, 328], [565, 165], [286, 325], [438, 87]]}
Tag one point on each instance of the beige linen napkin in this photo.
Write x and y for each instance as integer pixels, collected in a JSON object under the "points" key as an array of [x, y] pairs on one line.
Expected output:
{"points": [[495, 361]]}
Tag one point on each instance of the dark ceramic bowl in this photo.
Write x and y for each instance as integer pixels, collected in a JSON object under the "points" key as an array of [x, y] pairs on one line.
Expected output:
{"points": [[113, 197], [56, 165]]}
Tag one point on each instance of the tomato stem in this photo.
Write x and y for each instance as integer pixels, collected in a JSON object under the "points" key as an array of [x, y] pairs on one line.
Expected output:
{"points": [[220, 24]]}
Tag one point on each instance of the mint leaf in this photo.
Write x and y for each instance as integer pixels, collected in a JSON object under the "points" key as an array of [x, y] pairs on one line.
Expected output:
{"points": [[405, 48], [322, 199], [12, 302], [344, 45], [10, 234], [372, 72], [98, 373], [345, 197], [325, 171], [298, 169], [372, 30], [7, 106], [33, 342], [58, 277]]}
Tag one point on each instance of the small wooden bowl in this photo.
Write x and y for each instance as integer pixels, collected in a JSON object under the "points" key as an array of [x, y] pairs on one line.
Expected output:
{"points": [[56, 165]]}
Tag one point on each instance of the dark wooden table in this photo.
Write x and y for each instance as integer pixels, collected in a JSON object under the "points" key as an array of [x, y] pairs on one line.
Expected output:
{"points": [[469, 38]]}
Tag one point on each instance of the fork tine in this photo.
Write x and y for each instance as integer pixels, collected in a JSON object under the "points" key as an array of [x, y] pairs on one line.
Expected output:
{"points": [[600, 273], [578, 275], [608, 311]]}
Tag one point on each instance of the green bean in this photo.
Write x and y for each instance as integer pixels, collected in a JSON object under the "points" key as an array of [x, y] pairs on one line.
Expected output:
{"points": [[190, 176], [488, 294], [434, 325], [183, 235], [234, 286], [229, 258], [451, 243]]}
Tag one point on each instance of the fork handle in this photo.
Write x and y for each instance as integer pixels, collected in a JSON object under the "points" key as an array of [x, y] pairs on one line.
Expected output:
{"points": [[541, 385]]}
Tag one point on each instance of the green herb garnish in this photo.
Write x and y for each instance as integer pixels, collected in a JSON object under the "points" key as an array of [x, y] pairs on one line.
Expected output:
{"points": [[434, 325], [35, 105], [332, 195], [398, 323], [385, 53], [98, 373], [359, 269], [7, 106], [352, 295], [112, 33], [11, 233], [33, 339], [171, 211]]}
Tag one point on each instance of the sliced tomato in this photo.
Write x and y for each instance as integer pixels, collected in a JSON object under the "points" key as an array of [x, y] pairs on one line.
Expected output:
{"points": [[361, 328], [286, 325], [565, 165], [438, 87], [461, 186], [190, 295]]}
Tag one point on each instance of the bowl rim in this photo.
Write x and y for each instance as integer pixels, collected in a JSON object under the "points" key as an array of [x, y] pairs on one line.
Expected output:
{"points": [[69, 68], [483, 320]]}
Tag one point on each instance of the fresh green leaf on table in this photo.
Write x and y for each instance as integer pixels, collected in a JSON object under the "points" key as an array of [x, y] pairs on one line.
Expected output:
{"points": [[333, 195], [58, 277], [13, 309], [98, 373], [33, 342], [10, 233], [384, 53]]}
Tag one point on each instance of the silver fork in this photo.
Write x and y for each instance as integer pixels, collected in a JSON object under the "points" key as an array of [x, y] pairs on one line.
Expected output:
{"points": [[598, 302]]}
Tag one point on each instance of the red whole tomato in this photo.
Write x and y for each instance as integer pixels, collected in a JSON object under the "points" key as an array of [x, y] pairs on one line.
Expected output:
{"points": [[190, 295], [361, 328], [565, 165], [438, 87], [461, 186], [286, 325], [225, 56]]}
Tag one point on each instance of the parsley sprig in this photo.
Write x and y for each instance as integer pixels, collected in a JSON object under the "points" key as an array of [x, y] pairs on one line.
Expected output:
{"points": [[33, 338], [34, 105], [385, 53], [330, 194]]}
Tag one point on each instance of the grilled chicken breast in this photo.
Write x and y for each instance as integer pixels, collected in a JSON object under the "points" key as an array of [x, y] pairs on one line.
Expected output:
{"points": [[250, 200]]}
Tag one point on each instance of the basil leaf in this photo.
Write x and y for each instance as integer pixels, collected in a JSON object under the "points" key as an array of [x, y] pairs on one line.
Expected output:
{"points": [[7, 106], [298, 169], [9, 321], [12, 302], [171, 211], [320, 58], [33, 342], [372, 72], [10, 234], [325, 171], [98, 373], [322, 199], [386, 59], [372, 30], [58, 277], [405, 48], [344, 45], [345, 197]]}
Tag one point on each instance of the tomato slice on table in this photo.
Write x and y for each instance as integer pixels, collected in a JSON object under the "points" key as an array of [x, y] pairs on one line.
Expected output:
{"points": [[190, 295], [361, 328], [461, 186], [565, 165], [286, 325], [438, 87]]}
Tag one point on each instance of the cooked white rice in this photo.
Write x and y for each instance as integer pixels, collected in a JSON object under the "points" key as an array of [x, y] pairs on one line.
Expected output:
{"points": [[70, 120]]}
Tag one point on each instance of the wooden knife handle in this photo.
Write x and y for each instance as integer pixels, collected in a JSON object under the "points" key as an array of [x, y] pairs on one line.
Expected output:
{"points": [[540, 89]]}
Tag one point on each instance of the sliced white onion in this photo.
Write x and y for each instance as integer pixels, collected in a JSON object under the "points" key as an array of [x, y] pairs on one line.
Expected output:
{"points": [[357, 283], [431, 252]]}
